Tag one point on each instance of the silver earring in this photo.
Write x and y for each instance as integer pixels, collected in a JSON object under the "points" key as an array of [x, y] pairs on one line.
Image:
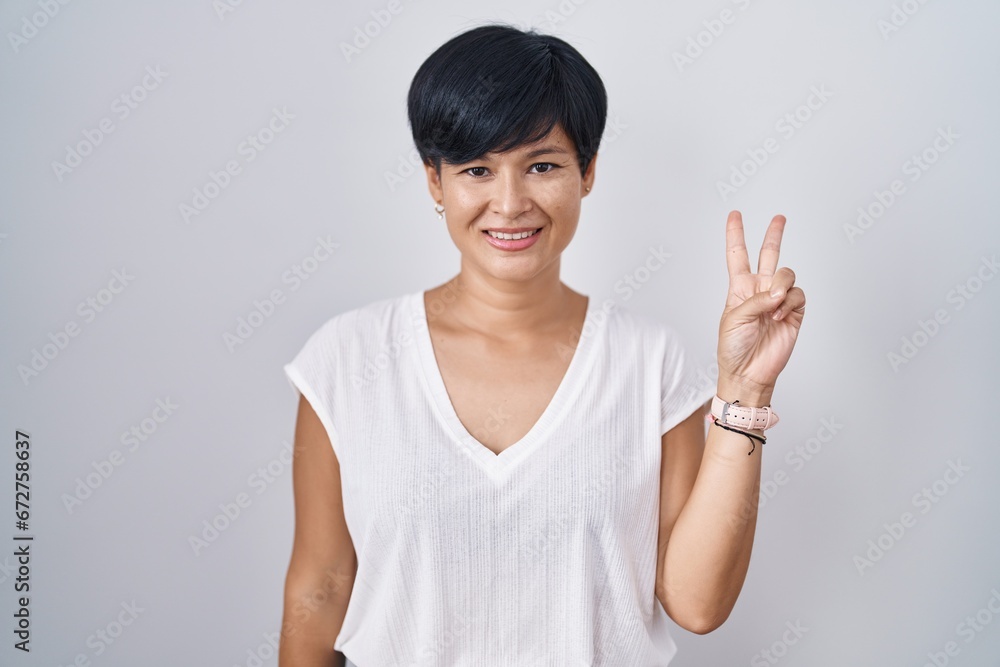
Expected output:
{"points": [[439, 211]]}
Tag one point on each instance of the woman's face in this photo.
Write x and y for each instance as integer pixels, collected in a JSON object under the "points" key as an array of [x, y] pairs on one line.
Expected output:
{"points": [[533, 187]]}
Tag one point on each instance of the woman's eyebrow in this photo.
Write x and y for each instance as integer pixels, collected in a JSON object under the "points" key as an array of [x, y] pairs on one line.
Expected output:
{"points": [[546, 149], [535, 153]]}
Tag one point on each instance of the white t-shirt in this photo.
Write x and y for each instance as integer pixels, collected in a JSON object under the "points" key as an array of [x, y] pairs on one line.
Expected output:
{"points": [[542, 555]]}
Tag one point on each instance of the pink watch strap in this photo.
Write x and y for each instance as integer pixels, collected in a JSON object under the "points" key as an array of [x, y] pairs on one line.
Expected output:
{"points": [[749, 418]]}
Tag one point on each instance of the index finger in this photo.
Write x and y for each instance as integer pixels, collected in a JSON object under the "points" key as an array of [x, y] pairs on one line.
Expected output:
{"points": [[736, 248]]}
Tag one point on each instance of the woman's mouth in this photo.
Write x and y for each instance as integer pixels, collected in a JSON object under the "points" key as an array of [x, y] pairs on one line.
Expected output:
{"points": [[511, 240]]}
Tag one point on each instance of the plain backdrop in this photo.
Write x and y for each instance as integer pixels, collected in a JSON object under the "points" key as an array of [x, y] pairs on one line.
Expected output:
{"points": [[867, 124]]}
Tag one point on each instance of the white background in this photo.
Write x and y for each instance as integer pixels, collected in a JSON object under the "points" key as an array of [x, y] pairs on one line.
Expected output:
{"points": [[675, 130]]}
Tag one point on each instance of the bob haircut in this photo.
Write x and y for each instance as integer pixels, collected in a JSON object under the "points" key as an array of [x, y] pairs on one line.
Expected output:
{"points": [[496, 87]]}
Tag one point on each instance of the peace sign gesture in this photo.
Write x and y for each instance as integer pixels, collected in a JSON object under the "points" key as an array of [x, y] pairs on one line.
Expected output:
{"points": [[754, 346]]}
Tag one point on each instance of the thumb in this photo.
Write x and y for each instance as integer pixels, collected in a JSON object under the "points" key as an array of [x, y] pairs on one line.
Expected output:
{"points": [[751, 309]]}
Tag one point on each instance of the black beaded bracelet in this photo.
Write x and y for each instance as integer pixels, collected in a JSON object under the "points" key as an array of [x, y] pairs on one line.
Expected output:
{"points": [[749, 435]]}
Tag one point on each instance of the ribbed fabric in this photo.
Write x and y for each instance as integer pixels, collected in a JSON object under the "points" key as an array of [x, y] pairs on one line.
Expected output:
{"points": [[542, 555]]}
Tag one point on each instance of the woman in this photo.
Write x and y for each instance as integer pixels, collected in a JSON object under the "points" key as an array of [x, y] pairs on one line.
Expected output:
{"points": [[498, 471]]}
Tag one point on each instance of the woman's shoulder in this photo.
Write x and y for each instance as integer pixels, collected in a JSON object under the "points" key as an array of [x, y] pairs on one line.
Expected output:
{"points": [[647, 327], [363, 322]]}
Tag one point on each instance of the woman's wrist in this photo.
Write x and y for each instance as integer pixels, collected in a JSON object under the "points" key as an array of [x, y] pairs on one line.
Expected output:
{"points": [[749, 394]]}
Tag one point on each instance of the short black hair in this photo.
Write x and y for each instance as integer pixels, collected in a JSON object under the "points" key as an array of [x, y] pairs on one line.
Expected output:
{"points": [[496, 87]]}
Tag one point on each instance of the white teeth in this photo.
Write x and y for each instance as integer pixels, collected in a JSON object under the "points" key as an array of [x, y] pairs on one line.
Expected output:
{"points": [[511, 237]]}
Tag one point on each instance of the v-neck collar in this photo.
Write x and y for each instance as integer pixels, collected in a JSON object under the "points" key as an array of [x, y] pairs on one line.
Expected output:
{"points": [[499, 466]]}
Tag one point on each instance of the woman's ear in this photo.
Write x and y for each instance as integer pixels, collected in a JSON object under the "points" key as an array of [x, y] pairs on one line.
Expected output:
{"points": [[434, 182], [588, 177]]}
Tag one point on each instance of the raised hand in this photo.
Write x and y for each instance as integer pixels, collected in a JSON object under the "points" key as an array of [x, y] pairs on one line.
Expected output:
{"points": [[757, 331]]}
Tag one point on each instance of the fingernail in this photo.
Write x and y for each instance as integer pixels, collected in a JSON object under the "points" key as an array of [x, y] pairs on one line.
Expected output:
{"points": [[777, 315], [776, 292]]}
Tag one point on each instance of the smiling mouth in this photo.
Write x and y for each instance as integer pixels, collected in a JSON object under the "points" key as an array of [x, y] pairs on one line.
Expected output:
{"points": [[511, 237]]}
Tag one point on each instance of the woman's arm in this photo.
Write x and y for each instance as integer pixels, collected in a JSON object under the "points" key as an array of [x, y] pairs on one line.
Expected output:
{"points": [[323, 563], [708, 516], [706, 537]]}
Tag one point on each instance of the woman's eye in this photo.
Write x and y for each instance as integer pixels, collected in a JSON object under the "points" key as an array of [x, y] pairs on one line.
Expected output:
{"points": [[478, 171]]}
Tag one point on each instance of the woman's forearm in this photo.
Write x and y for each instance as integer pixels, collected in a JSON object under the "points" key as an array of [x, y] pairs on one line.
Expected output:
{"points": [[314, 612], [708, 552]]}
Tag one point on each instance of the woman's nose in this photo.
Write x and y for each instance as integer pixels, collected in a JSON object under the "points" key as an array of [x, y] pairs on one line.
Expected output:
{"points": [[511, 197]]}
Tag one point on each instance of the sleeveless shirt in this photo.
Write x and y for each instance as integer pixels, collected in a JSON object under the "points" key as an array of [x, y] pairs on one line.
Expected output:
{"points": [[544, 554]]}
